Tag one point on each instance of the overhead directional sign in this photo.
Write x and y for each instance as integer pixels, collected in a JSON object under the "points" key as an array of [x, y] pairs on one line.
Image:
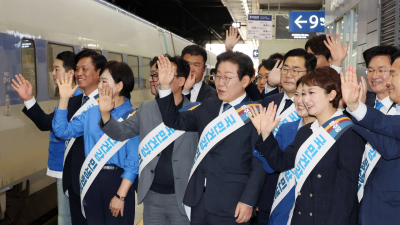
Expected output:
{"points": [[307, 22], [255, 54], [259, 27]]}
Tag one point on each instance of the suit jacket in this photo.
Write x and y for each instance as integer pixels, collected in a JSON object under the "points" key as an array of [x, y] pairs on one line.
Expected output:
{"points": [[329, 194], [371, 98], [268, 192], [76, 156], [253, 92], [143, 122], [273, 92], [206, 91], [381, 201], [233, 174]]}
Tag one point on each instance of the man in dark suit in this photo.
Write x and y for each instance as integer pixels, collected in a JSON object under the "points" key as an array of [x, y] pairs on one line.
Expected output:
{"points": [[381, 200], [196, 56], [89, 65], [226, 184], [295, 65]]}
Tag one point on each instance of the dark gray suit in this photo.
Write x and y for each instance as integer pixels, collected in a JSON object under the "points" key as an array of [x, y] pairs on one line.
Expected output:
{"points": [[206, 91], [148, 117]]}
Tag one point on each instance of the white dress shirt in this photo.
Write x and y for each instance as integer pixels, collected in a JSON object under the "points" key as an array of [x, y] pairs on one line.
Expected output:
{"points": [[195, 91], [30, 103], [387, 103]]}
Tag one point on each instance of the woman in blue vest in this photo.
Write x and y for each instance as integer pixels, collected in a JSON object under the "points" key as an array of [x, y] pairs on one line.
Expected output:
{"points": [[110, 198], [327, 192]]}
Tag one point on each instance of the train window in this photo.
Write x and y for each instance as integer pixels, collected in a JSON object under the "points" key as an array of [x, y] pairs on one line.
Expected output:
{"points": [[114, 56], [52, 51], [146, 72], [28, 62], [133, 62]]}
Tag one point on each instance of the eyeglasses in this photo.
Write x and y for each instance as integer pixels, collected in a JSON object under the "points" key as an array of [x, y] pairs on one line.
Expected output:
{"points": [[225, 79], [262, 77], [380, 72], [154, 77], [294, 72]]}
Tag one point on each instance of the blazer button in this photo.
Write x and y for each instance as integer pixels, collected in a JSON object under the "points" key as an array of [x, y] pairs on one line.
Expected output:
{"points": [[310, 214], [152, 171], [299, 193], [299, 213], [319, 176], [310, 195]]}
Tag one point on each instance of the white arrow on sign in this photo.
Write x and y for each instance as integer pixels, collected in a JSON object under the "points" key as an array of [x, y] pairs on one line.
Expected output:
{"points": [[298, 21]]}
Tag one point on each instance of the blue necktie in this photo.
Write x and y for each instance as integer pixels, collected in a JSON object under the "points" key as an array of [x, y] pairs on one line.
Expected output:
{"points": [[397, 109], [85, 98], [226, 106], [288, 103], [378, 105]]}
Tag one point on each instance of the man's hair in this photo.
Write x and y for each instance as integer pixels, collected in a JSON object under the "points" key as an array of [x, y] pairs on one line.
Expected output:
{"points": [[275, 56], [311, 61], [121, 71], [244, 62], [213, 71], [183, 68], [395, 56], [267, 63], [98, 61], [68, 59], [383, 50], [195, 50], [153, 61], [318, 47]]}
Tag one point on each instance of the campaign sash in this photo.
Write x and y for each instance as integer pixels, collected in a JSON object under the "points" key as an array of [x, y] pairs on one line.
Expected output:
{"points": [[369, 160], [219, 128], [289, 115], [314, 149], [92, 101], [104, 149], [158, 139]]}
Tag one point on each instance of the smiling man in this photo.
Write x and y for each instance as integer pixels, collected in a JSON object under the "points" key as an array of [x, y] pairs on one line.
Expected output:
{"points": [[226, 180]]}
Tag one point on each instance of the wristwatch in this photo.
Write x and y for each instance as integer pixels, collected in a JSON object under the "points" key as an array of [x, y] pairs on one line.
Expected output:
{"points": [[120, 197]]}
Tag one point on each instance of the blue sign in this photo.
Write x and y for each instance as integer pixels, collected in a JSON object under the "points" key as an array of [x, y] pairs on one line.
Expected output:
{"points": [[307, 22], [255, 54]]}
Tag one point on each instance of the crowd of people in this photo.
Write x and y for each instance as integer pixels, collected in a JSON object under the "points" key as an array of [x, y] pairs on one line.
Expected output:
{"points": [[302, 143]]}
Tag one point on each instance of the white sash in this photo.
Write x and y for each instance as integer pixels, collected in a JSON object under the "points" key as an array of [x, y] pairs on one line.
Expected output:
{"points": [[369, 160], [92, 101], [289, 115], [286, 182], [99, 155], [155, 142]]}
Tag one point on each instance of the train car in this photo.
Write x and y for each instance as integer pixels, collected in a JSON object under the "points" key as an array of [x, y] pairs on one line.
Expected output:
{"points": [[32, 33]]}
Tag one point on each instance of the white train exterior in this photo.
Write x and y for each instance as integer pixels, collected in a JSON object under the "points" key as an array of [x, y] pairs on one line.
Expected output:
{"points": [[32, 33]]}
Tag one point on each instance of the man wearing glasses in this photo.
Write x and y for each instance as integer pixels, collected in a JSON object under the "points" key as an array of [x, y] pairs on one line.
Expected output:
{"points": [[154, 77], [295, 65]]}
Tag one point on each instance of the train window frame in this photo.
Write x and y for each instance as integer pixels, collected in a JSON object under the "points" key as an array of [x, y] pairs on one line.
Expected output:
{"points": [[136, 74], [51, 87], [34, 85], [143, 73], [115, 53]]}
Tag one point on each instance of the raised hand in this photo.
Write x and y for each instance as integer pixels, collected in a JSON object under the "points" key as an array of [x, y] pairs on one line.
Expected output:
{"points": [[274, 78], [232, 38], [268, 122], [363, 91], [165, 72], [190, 81], [106, 102], [256, 116], [338, 53], [64, 86], [23, 87], [350, 88]]}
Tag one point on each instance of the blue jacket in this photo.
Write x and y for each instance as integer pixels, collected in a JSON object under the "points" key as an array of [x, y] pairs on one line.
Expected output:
{"points": [[56, 152], [87, 125], [381, 201]]}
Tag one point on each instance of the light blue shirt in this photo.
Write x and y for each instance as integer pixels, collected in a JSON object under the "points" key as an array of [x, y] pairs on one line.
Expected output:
{"points": [[87, 125]]}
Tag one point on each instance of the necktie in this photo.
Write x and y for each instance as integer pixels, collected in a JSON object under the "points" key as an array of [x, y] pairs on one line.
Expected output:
{"points": [[226, 106], [378, 105], [288, 102], [85, 98], [397, 109]]}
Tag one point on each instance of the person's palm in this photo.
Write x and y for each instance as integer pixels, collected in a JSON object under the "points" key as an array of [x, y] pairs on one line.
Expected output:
{"points": [[23, 87], [268, 122], [232, 38], [64, 87], [165, 71], [106, 101], [190, 81], [350, 93]]}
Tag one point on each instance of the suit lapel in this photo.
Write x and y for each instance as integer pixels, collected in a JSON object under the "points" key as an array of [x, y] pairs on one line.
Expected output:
{"points": [[202, 93]]}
